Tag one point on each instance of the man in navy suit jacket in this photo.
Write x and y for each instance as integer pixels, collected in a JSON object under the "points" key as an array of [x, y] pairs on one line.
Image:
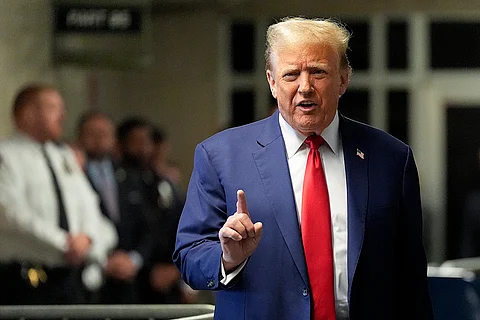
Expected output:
{"points": [[121, 201], [251, 251]]}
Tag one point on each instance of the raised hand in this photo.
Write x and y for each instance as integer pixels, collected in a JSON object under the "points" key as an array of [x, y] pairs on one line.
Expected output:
{"points": [[239, 236]]}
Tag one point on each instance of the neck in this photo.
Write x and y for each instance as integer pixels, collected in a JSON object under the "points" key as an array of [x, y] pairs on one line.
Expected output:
{"points": [[98, 157], [32, 134]]}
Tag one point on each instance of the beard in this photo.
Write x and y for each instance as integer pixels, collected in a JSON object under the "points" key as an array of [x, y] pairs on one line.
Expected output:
{"points": [[135, 161]]}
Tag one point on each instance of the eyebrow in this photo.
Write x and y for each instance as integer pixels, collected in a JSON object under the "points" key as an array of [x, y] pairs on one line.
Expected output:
{"points": [[309, 67], [310, 64]]}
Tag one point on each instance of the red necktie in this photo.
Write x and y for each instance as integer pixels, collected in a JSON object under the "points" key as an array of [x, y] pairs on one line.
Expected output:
{"points": [[317, 233]]}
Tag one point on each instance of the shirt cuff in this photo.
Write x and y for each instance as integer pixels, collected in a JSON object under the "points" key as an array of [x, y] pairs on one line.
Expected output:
{"points": [[136, 258], [227, 278]]}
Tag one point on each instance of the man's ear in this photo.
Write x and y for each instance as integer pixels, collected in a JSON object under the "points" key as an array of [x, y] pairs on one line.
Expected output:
{"points": [[26, 114], [343, 81], [272, 83]]}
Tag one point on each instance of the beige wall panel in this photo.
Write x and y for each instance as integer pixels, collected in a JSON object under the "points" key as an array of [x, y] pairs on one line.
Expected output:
{"points": [[178, 91], [72, 83], [25, 50], [277, 8]]}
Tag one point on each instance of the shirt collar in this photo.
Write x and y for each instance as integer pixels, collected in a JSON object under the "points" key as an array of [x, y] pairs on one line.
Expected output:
{"points": [[295, 140], [99, 164], [22, 137]]}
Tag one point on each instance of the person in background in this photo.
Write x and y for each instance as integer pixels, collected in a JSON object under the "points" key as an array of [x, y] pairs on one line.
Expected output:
{"points": [[122, 204], [160, 279], [79, 154], [305, 214], [160, 158], [50, 220], [166, 168]]}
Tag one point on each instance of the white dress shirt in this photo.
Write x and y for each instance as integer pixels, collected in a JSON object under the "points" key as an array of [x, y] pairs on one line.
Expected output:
{"points": [[29, 227], [334, 167]]}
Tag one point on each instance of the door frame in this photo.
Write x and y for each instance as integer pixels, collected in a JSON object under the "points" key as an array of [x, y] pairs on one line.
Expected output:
{"points": [[428, 127]]}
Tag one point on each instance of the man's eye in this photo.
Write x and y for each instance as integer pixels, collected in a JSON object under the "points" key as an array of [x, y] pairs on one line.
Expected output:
{"points": [[290, 76], [319, 72]]}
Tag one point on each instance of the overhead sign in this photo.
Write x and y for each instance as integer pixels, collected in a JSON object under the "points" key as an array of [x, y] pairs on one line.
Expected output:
{"points": [[82, 19]]}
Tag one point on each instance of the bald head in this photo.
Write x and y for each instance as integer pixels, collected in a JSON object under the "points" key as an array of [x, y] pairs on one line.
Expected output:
{"points": [[28, 95], [96, 134], [38, 111]]}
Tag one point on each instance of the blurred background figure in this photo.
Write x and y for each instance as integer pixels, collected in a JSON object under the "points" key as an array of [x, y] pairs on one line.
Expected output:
{"points": [[161, 162], [122, 202], [79, 154], [160, 281], [50, 221]]}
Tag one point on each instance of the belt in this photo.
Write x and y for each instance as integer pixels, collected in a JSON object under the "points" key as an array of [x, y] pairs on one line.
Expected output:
{"points": [[35, 274]]}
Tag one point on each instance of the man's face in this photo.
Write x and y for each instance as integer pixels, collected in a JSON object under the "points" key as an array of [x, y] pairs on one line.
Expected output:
{"points": [[97, 137], [139, 145], [161, 151], [307, 82], [50, 114]]}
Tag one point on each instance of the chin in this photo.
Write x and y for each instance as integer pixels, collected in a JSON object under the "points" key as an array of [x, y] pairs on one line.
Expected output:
{"points": [[56, 137], [310, 126]]}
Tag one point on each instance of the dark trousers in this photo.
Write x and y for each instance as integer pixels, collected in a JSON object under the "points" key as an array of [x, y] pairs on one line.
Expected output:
{"points": [[148, 295], [118, 292], [62, 286]]}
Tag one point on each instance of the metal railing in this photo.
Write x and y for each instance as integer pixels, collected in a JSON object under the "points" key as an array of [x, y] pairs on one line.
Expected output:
{"points": [[160, 312]]}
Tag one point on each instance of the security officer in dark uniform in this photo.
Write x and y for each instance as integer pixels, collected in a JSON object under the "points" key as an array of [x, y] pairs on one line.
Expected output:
{"points": [[159, 279]]}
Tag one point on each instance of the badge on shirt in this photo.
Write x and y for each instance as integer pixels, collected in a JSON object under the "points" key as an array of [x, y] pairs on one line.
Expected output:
{"points": [[165, 195]]}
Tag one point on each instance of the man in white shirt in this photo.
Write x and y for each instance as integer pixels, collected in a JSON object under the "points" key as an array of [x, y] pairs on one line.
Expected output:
{"points": [[246, 229], [50, 222]]}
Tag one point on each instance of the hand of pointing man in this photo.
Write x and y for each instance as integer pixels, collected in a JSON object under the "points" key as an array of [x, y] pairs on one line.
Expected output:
{"points": [[239, 236]]}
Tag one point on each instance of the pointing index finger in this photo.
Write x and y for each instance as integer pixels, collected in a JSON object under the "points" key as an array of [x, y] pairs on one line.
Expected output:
{"points": [[241, 202]]}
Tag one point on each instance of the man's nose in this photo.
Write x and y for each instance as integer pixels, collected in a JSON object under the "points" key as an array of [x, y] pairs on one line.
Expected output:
{"points": [[305, 86]]}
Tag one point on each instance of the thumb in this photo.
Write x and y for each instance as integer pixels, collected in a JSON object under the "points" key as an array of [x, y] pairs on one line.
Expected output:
{"points": [[241, 202]]}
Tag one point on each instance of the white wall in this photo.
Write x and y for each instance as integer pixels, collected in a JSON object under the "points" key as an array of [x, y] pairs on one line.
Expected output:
{"points": [[178, 91]]}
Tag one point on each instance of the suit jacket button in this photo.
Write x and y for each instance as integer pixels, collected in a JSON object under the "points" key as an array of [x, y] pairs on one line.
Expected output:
{"points": [[305, 292], [211, 283]]}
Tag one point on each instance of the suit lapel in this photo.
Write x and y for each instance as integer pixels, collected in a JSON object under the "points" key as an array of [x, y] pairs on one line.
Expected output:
{"points": [[272, 165], [273, 168], [356, 168]]}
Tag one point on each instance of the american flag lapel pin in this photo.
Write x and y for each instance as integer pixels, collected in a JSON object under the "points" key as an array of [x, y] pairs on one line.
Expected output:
{"points": [[360, 154]]}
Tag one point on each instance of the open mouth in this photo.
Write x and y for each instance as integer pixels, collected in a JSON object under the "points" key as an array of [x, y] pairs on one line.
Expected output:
{"points": [[307, 105]]}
